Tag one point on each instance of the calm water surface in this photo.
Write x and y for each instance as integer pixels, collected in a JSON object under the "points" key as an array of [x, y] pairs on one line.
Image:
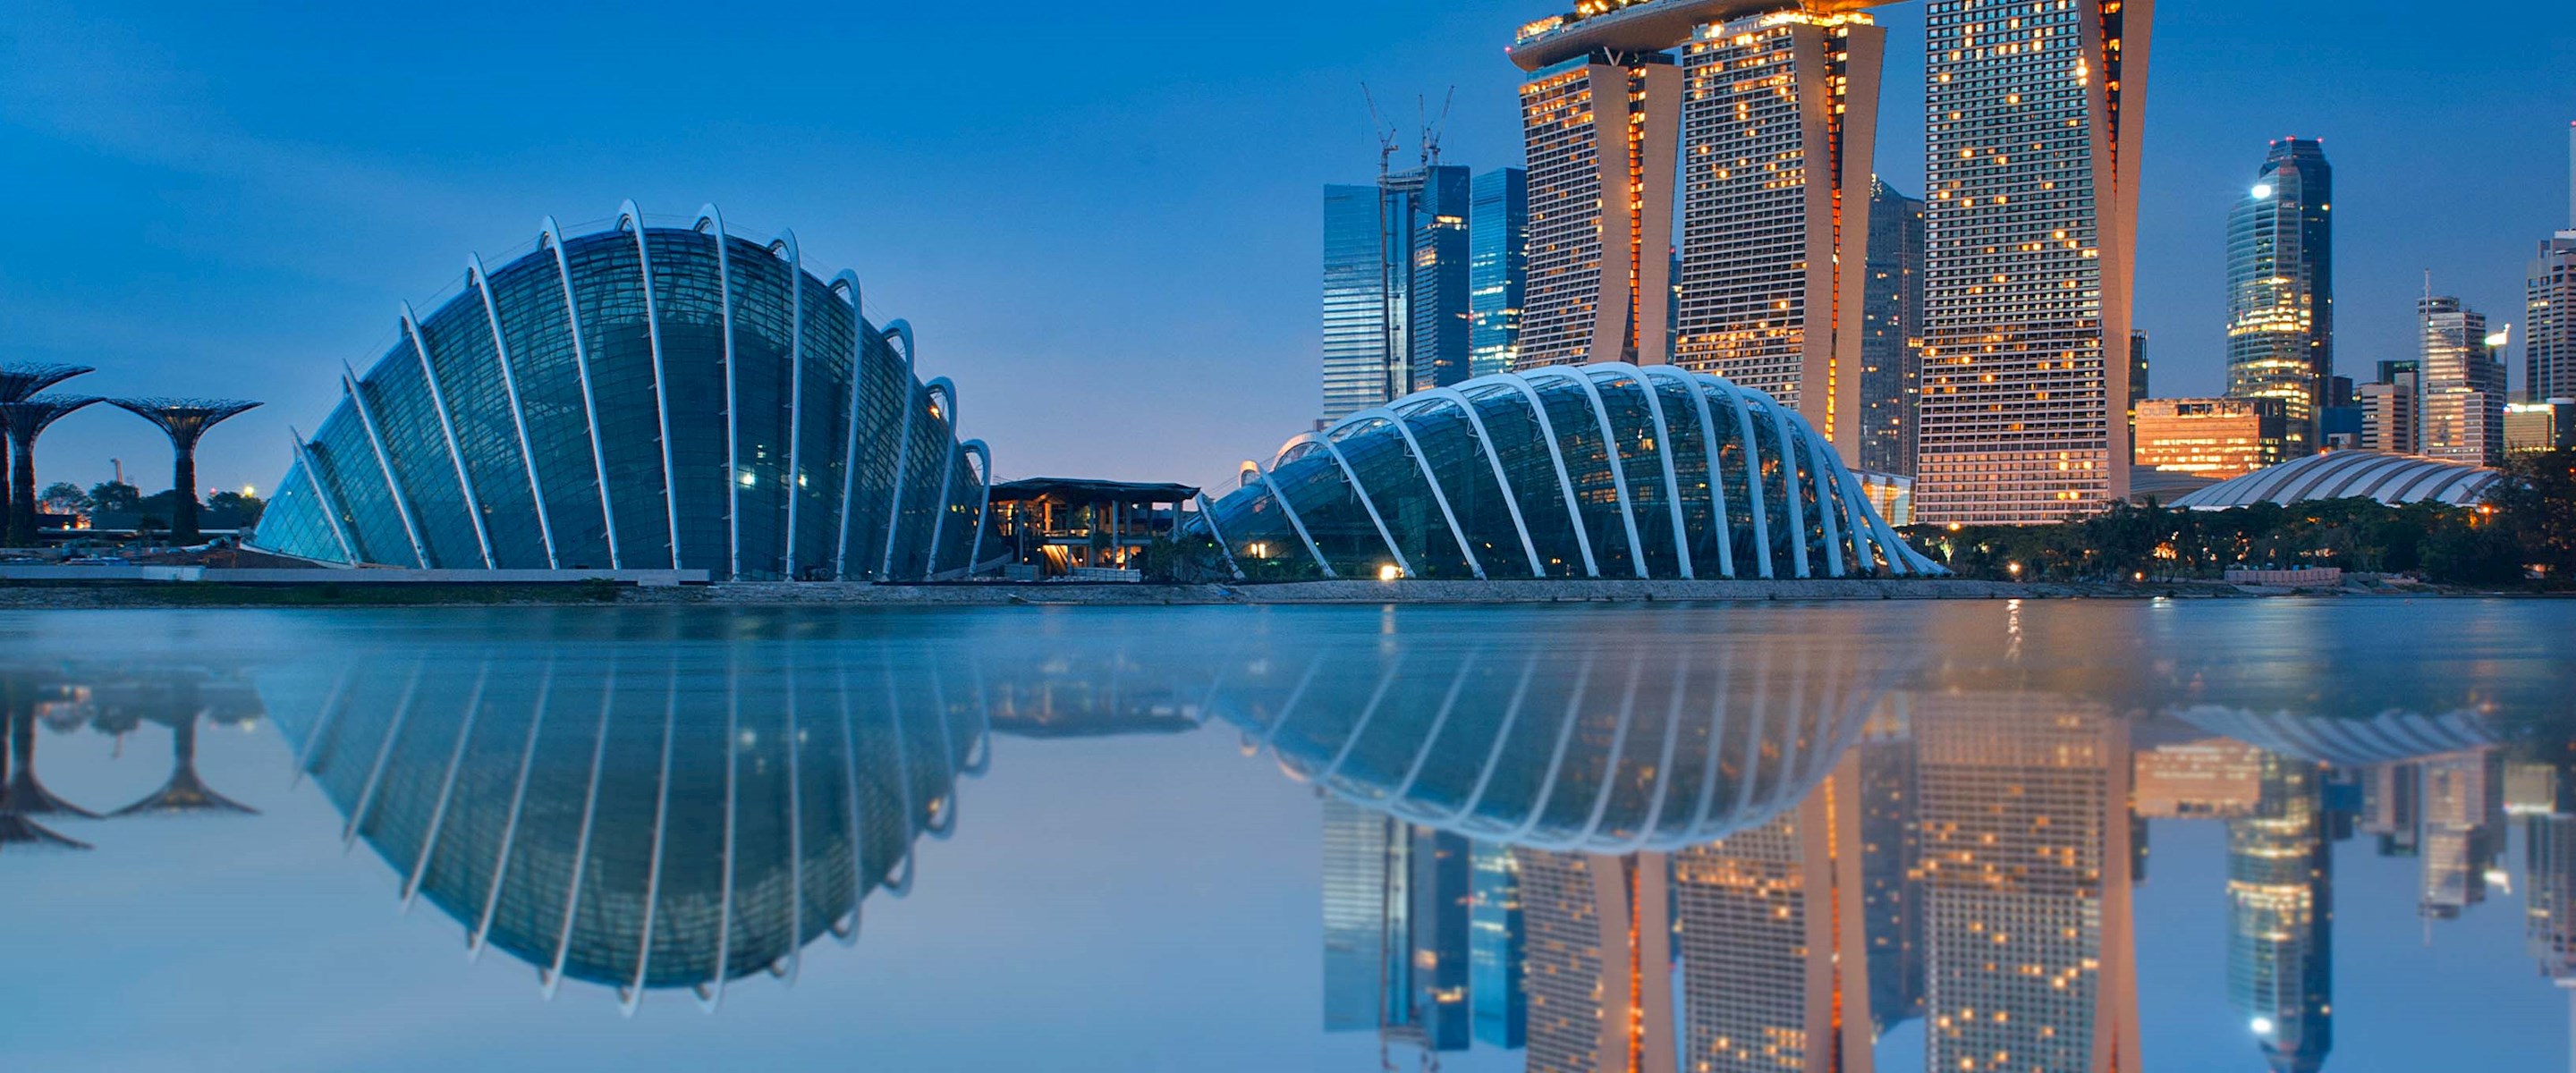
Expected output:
{"points": [[2295, 835]]}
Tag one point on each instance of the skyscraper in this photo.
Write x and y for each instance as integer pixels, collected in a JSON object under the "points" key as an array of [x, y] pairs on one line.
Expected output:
{"points": [[1498, 268], [2549, 343], [1891, 344], [2026, 862], [2034, 134], [1601, 131], [1778, 125], [2280, 288], [1396, 281], [2280, 896], [1495, 949], [2461, 394]]}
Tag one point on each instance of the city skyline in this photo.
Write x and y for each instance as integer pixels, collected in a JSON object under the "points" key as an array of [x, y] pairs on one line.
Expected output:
{"points": [[260, 215]]}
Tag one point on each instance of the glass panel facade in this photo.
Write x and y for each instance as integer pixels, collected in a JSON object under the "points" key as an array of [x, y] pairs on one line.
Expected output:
{"points": [[416, 449], [459, 340], [528, 295], [1513, 433], [1641, 461], [762, 352], [608, 293], [1457, 459], [689, 313], [346, 463], [1404, 498], [298, 525], [1588, 462]]}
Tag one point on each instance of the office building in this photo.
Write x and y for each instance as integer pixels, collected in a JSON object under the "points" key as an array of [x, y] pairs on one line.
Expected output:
{"points": [[2214, 778], [1397, 310], [2390, 409], [2280, 895], [1603, 130], [642, 398], [2280, 288], [2531, 427], [1891, 344], [1495, 950], [2218, 438], [1778, 125], [2461, 394], [2027, 853], [1497, 269], [2032, 191]]}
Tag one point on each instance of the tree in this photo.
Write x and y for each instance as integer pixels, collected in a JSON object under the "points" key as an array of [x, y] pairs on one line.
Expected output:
{"points": [[63, 497], [244, 508], [2536, 506], [114, 497]]}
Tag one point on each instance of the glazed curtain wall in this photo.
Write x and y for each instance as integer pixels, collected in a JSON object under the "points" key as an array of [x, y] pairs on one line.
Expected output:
{"points": [[641, 398], [1607, 470]]}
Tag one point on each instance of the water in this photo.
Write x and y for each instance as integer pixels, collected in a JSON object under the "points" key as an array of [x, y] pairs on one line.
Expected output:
{"points": [[2303, 834]]}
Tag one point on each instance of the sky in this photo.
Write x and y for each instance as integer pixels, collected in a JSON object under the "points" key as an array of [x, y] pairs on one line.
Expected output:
{"points": [[1102, 220]]}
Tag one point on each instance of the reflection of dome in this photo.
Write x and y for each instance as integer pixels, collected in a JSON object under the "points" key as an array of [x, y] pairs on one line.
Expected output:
{"points": [[673, 815], [2348, 741], [641, 398], [1571, 742], [1568, 471]]}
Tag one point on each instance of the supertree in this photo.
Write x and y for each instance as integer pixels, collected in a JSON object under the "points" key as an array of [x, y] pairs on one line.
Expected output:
{"points": [[27, 419], [185, 421], [20, 381]]}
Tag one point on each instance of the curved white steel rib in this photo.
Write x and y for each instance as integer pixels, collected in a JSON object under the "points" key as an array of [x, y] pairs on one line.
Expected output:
{"points": [[709, 217], [1788, 455], [1745, 428], [1821, 479], [632, 995], [1207, 510], [322, 498], [1664, 451], [552, 976], [912, 405], [984, 504], [482, 284], [1290, 509], [1564, 480], [1422, 464], [795, 483], [628, 214], [1361, 491], [947, 391], [1502, 481], [446, 788], [1718, 518], [846, 285], [553, 236], [384, 753], [482, 932], [447, 429], [1610, 457], [384, 463]]}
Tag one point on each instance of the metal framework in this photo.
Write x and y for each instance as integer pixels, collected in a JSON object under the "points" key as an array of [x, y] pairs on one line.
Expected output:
{"points": [[482, 285], [447, 433]]}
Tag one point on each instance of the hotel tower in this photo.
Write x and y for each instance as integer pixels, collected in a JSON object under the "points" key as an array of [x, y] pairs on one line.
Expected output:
{"points": [[2033, 131]]}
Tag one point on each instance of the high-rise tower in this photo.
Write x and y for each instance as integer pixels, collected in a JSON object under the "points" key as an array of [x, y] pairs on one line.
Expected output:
{"points": [[1396, 280], [2461, 392], [2034, 131], [2549, 342], [1602, 129], [2280, 288], [1891, 343], [1778, 124], [1497, 269]]}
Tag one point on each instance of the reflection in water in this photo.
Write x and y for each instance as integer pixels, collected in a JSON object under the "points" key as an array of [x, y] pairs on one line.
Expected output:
{"points": [[676, 817], [1611, 844]]}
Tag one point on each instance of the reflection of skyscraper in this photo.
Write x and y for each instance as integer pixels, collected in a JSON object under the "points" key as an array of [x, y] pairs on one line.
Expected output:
{"points": [[2026, 847], [1597, 936], [1891, 880], [2280, 894], [2391, 808], [2549, 849], [1395, 929], [1494, 947], [2463, 802]]}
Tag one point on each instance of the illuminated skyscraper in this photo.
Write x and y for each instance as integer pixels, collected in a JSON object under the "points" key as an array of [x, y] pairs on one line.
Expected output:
{"points": [[2280, 288], [2463, 833], [1891, 344], [1396, 280], [1498, 268], [2461, 392], [2026, 861], [1602, 131], [1396, 903], [1599, 954], [2034, 134], [1778, 124], [2280, 896]]}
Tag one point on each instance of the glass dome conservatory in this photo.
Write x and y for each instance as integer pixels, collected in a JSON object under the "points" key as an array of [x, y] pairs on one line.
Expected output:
{"points": [[642, 398], [1577, 471]]}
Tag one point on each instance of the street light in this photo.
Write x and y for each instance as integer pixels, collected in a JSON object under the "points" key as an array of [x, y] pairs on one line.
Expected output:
{"points": [[1389, 572]]}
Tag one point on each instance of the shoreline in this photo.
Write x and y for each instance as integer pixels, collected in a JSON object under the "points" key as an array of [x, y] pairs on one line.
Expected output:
{"points": [[326, 593]]}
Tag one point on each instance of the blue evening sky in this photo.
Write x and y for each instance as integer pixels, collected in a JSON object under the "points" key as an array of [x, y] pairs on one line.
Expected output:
{"points": [[1102, 219]]}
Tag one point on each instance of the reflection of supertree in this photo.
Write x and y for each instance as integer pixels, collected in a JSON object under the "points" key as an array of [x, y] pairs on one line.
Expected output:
{"points": [[26, 795], [185, 421], [186, 791], [15, 828], [27, 419], [18, 382]]}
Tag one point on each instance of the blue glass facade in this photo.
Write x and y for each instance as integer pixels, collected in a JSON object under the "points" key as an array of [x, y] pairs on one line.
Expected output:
{"points": [[1604, 470], [1498, 268], [642, 398], [1397, 307]]}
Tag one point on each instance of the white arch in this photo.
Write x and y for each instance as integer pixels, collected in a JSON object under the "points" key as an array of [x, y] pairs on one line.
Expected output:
{"points": [[446, 788], [1502, 480], [1718, 517], [553, 238], [795, 483], [482, 932], [323, 498], [1610, 457], [1744, 430], [1821, 479], [984, 506], [384, 463], [482, 283], [1422, 465], [552, 977], [1663, 451], [633, 995], [1788, 457], [1663, 764], [1366, 503], [357, 821], [711, 993], [1465, 812], [708, 217], [1556, 454], [903, 448], [947, 390], [447, 430], [846, 285], [1207, 511], [1290, 509], [627, 213]]}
